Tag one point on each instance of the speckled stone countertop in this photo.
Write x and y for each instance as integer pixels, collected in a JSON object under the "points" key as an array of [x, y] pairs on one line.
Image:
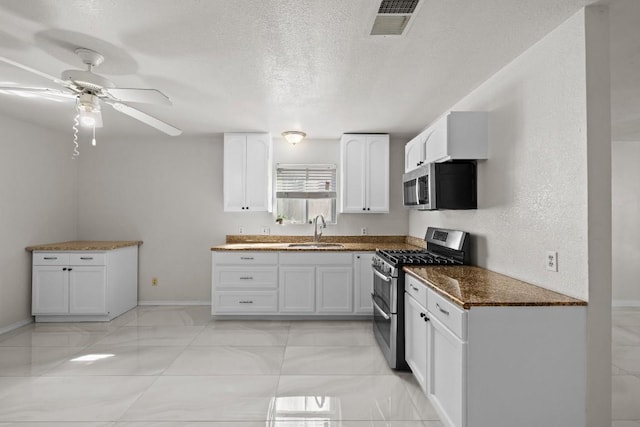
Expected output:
{"points": [[85, 245], [469, 286], [349, 243]]}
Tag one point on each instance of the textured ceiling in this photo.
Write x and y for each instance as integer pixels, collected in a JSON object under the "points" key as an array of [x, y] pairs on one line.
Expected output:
{"points": [[273, 65]]}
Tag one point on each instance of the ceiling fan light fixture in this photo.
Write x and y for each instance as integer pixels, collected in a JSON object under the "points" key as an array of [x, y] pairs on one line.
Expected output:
{"points": [[88, 107], [293, 136]]}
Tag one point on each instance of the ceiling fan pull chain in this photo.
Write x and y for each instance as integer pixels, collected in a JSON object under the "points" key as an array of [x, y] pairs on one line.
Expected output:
{"points": [[76, 123], [93, 141]]}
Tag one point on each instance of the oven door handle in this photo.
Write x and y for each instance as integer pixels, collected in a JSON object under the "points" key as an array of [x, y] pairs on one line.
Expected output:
{"points": [[377, 307], [380, 275]]}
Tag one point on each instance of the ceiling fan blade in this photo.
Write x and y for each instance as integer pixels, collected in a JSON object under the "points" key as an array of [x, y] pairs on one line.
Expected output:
{"points": [[146, 96], [34, 71], [37, 91], [145, 118]]}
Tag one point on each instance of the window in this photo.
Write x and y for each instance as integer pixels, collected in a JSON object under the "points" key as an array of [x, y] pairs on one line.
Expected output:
{"points": [[305, 191]]}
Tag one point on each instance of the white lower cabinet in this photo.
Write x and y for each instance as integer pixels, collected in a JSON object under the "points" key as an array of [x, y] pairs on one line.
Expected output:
{"points": [[87, 286], [499, 366], [309, 283], [363, 282]]}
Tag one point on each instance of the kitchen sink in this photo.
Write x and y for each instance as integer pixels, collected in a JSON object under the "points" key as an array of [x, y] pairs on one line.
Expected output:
{"points": [[312, 245]]}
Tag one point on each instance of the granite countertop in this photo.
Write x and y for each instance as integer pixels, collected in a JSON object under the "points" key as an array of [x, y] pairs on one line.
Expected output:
{"points": [[85, 245], [349, 243], [470, 286]]}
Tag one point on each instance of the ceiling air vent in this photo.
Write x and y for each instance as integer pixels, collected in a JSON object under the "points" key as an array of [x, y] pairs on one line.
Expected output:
{"points": [[393, 17]]}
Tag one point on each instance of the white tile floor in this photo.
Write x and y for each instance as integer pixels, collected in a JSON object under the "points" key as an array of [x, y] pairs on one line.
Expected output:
{"points": [[626, 368], [174, 366]]}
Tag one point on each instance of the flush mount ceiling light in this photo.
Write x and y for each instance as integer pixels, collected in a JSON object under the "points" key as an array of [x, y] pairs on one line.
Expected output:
{"points": [[293, 136]]}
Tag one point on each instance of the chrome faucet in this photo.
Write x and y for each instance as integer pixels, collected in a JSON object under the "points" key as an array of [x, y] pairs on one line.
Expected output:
{"points": [[317, 234]]}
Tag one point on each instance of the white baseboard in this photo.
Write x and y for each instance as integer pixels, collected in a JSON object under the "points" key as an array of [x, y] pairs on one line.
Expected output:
{"points": [[618, 303], [16, 325], [195, 302]]}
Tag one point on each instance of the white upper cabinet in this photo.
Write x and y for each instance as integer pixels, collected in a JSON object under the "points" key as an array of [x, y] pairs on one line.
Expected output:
{"points": [[364, 181], [247, 172], [457, 135]]}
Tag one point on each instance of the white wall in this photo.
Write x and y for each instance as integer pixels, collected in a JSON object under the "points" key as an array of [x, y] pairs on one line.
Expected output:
{"points": [[544, 186], [39, 205], [625, 227], [168, 193]]}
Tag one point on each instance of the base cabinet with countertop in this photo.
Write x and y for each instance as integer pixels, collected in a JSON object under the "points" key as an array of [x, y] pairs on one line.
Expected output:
{"points": [[497, 365], [86, 285]]}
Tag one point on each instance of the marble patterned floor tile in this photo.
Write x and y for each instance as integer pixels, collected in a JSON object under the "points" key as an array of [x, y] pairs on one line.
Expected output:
{"points": [[345, 397], [346, 336], [190, 424], [244, 337], [626, 358], [152, 335], [228, 361], [345, 423], [118, 360], [356, 360], [32, 361], [626, 335], [87, 399], [205, 398], [626, 316], [172, 316], [250, 325], [433, 424], [58, 424], [625, 423], [51, 336], [625, 390], [418, 397], [332, 325]]}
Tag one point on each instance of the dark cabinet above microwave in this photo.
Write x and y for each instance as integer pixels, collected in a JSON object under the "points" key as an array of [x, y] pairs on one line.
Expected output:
{"points": [[451, 185]]}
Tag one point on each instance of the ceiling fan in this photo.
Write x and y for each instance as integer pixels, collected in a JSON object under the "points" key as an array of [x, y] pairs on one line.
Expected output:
{"points": [[89, 90]]}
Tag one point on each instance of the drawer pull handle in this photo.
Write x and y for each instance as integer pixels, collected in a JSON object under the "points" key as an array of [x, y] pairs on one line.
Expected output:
{"points": [[246, 257], [442, 310], [86, 257], [413, 288], [246, 278], [246, 302], [51, 257]]}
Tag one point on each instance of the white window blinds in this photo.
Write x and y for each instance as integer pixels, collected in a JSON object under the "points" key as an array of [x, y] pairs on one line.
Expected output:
{"points": [[305, 181]]}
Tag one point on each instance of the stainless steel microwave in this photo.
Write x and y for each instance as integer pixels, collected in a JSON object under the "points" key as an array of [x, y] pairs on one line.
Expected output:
{"points": [[451, 185]]}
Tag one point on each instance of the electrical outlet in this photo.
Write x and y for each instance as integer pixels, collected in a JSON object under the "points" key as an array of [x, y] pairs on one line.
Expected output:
{"points": [[552, 261], [364, 231], [241, 230], [154, 281], [266, 230]]}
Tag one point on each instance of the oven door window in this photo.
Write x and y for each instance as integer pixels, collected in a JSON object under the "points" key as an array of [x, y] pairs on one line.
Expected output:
{"points": [[423, 190]]}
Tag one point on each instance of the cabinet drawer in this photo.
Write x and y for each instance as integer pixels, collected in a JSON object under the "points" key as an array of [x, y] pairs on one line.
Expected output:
{"points": [[88, 259], [416, 289], [230, 302], [245, 258], [50, 258], [246, 277], [451, 316]]}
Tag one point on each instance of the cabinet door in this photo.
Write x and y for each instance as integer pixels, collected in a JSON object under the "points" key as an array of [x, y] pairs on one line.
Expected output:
{"points": [[437, 146], [258, 172], [377, 165], [87, 290], [234, 165], [334, 289], [363, 283], [50, 290], [297, 289], [415, 347], [413, 155], [353, 173], [446, 357]]}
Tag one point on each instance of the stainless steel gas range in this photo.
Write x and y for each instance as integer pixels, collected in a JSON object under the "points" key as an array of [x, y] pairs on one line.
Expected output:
{"points": [[444, 247]]}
